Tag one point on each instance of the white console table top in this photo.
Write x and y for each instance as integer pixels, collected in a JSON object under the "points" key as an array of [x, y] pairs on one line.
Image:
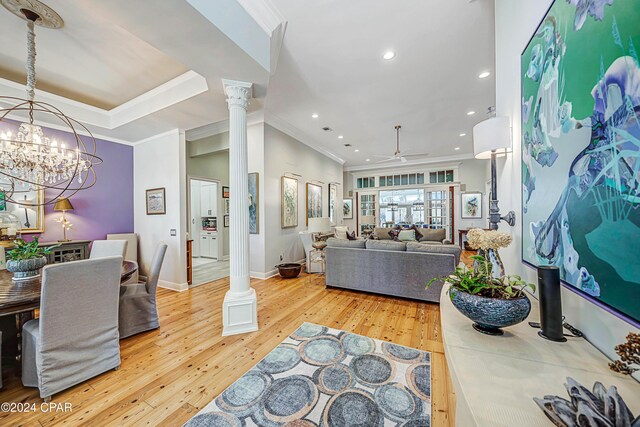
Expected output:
{"points": [[497, 377]]}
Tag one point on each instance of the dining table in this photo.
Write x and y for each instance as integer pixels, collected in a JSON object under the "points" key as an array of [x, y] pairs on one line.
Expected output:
{"points": [[22, 298]]}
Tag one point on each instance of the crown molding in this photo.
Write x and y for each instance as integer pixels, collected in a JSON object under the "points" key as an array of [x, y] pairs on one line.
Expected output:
{"points": [[266, 15], [176, 90], [221, 127], [287, 128], [428, 161]]}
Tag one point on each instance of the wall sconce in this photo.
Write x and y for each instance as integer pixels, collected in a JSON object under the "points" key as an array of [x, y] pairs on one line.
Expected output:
{"points": [[492, 138]]}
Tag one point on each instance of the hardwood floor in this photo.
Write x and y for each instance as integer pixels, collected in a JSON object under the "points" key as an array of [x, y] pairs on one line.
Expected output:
{"points": [[167, 375]]}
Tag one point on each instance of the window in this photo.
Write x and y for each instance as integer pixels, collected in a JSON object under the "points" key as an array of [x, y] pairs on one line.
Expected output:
{"points": [[367, 182], [438, 210], [401, 207], [403, 179], [439, 177]]}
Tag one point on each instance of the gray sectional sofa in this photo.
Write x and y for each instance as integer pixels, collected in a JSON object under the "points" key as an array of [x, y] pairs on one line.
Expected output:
{"points": [[388, 267]]}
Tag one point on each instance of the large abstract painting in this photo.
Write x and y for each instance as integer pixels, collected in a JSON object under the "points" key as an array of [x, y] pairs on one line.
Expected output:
{"points": [[314, 201], [581, 149], [254, 203], [289, 202]]}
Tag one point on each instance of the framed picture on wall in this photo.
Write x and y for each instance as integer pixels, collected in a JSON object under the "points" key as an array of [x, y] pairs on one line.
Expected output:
{"points": [[226, 206], [289, 202], [347, 208], [156, 203], [333, 212], [226, 220], [253, 203], [314, 201], [471, 205], [225, 192]]}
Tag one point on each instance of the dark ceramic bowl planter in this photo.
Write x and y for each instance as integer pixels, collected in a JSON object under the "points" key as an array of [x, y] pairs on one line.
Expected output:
{"points": [[289, 270], [490, 314], [26, 269]]}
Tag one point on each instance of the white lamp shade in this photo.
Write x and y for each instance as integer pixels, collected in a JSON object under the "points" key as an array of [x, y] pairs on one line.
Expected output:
{"points": [[490, 135], [319, 225]]}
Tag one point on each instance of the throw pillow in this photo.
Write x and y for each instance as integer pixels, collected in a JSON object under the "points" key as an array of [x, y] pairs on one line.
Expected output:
{"points": [[351, 236], [407, 236], [341, 231], [416, 229], [394, 233]]}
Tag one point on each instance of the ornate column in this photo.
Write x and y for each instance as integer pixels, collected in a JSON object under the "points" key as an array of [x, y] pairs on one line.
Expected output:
{"points": [[239, 309]]}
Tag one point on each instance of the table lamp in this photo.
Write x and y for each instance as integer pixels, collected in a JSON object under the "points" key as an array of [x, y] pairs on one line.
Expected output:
{"points": [[63, 205], [492, 138], [319, 225]]}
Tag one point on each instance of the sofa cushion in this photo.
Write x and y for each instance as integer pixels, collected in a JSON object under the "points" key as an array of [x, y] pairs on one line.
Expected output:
{"points": [[433, 235], [381, 233], [429, 242], [341, 231], [344, 243], [407, 236], [386, 245], [435, 249]]}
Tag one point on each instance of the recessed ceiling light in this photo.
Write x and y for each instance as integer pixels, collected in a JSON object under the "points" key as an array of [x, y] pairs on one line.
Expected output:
{"points": [[389, 55], [471, 113], [484, 75], [463, 134], [356, 150], [457, 148], [314, 116], [367, 160], [340, 136]]}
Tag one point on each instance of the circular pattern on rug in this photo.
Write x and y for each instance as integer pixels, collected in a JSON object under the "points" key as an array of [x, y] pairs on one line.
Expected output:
{"points": [[215, 419], [289, 398], [418, 422], [308, 330], [356, 345], [283, 358], [419, 380], [247, 390], [301, 423], [320, 351], [352, 408], [397, 401], [372, 369], [333, 379], [401, 353]]}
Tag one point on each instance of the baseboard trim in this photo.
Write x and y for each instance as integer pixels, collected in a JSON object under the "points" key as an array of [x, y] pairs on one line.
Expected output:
{"points": [[178, 287]]}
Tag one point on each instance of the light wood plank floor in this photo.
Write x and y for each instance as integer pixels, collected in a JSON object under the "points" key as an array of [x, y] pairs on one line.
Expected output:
{"points": [[167, 375]]}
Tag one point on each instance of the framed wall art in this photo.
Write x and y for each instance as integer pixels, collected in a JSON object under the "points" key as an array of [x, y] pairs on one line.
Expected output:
{"points": [[314, 201], [471, 205], [156, 203], [289, 202]]}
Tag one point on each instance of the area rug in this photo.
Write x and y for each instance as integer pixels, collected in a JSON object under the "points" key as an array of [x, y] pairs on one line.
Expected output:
{"points": [[326, 377]]}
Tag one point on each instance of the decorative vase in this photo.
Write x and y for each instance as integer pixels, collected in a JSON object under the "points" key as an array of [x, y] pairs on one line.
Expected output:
{"points": [[490, 314], [492, 255], [26, 269]]}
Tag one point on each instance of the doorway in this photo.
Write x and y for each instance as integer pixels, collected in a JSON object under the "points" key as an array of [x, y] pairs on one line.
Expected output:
{"points": [[205, 224]]}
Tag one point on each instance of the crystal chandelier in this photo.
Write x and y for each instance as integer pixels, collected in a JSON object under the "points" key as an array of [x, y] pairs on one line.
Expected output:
{"points": [[29, 159]]}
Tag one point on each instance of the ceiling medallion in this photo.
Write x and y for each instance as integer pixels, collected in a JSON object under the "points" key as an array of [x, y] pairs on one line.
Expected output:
{"points": [[31, 160]]}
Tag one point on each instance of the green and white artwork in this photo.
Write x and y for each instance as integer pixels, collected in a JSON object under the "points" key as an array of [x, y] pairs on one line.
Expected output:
{"points": [[253, 203], [289, 202], [314, 201], [333, 211], [581, 149]]}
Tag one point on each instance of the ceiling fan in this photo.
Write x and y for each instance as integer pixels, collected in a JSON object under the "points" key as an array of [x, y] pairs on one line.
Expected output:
{"points": [[403, 158]]}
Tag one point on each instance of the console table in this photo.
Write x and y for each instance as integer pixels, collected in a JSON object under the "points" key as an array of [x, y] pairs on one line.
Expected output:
{"points": [[72, 250], [496, 378]]}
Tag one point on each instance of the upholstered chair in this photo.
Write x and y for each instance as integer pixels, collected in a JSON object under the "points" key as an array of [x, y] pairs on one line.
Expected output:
{"points": [[76, 336], [138, 311], [105, 248]]}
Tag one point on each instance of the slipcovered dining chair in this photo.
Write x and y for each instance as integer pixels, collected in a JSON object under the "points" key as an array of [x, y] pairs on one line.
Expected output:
{"points": [[76, 336], [138, 311], [105, 248]]}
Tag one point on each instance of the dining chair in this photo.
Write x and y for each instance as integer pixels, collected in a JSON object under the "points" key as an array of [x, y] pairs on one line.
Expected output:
{"points": [[76, 336], [138, 311], [131, 253], [105, 248]]}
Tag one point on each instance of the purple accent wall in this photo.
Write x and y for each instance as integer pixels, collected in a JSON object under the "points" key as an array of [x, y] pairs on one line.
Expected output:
{"points": [[105, 208]]}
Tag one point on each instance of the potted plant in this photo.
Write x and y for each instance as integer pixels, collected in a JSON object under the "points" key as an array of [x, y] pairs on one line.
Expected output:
{"points": [[490, 302], [27, 258]]}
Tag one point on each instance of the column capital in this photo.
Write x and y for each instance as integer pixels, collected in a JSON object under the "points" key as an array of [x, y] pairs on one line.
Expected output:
{"points": [[238, 93]]}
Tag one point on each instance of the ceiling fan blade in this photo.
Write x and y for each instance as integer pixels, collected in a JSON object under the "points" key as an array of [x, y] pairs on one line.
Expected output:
{"points": [[413, 156], [387, 160]]}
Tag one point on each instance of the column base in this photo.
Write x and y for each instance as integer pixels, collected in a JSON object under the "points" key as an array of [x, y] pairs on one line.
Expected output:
{"points": [[239, 313]]}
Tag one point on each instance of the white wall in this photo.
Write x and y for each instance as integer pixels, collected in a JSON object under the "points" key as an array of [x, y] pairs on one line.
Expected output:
{"points": [[159, 161], [515, 23], [283, 154]]}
